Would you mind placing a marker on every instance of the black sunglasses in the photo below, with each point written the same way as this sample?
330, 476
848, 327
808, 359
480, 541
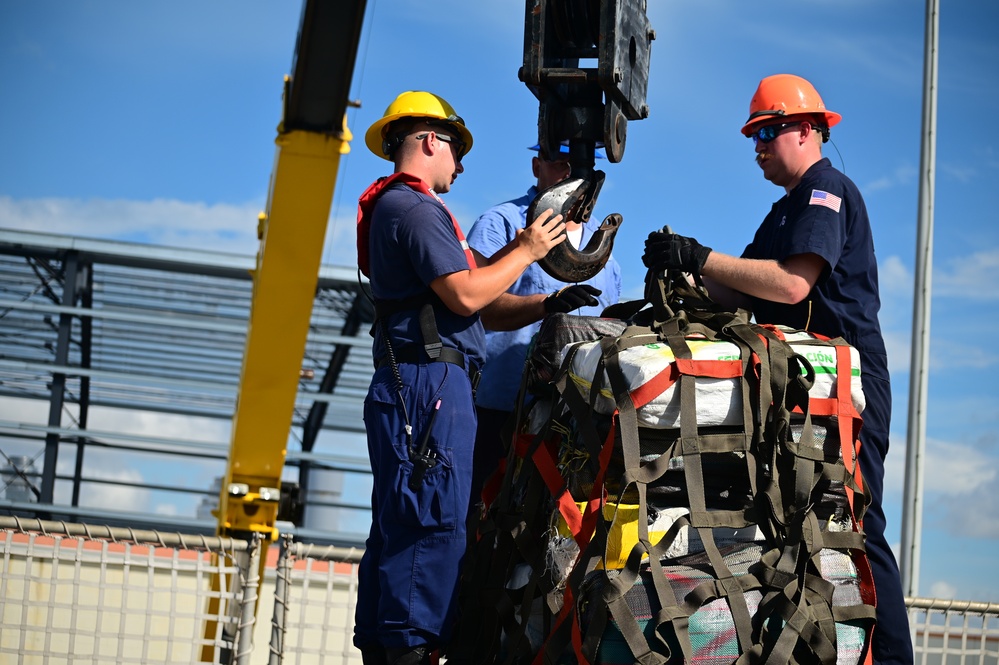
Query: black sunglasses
456, 143
770, 132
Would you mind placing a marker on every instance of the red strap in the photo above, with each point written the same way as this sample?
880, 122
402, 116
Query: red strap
493, 484
711, 369
847, 416
661, 382
366, 206
556, 485
655, 386
582, 526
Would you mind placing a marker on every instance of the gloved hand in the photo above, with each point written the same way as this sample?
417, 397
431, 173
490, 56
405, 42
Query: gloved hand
571, 297
669, 251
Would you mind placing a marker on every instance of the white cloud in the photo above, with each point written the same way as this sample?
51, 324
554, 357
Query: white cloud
221, 227
950, 469
24, 410
958, 279
960, 173
950, 357
167, 509
901, 176
956, 469
975, 515
967, 276
124, 466
894, 277
944, 590
341, 241
160, 425
111, 496
955, 477
897, 344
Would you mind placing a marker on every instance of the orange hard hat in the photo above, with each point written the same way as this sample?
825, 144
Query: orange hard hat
783, 95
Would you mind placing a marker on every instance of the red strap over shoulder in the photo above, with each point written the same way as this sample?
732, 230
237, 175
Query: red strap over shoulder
366, 206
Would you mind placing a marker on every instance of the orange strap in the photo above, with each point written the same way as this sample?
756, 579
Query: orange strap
366, 206
657, 385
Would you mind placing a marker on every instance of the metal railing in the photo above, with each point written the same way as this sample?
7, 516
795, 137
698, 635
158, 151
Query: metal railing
315, 593
82, 593
954, 632
79, 593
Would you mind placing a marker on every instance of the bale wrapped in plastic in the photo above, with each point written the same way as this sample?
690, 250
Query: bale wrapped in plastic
625, 532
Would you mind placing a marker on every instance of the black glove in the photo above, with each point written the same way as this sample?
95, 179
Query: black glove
669, 251
570, 298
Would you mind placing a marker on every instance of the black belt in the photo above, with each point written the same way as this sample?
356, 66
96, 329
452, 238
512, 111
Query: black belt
418, 356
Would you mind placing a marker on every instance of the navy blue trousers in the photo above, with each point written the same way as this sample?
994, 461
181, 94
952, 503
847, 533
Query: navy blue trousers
892, 642
408, 576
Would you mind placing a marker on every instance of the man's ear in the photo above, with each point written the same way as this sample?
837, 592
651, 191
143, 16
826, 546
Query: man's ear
536, 167
806, 133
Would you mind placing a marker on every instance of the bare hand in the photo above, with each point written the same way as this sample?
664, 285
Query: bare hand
543, 234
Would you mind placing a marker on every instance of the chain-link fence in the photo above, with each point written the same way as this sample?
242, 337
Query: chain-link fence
315, 591
87, 594
954, 632
75, 593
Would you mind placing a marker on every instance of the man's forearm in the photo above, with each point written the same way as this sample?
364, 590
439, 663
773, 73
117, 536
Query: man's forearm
725, 296
761, 278
510, 312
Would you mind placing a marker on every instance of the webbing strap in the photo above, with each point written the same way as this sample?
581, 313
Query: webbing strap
787, 468
694, 475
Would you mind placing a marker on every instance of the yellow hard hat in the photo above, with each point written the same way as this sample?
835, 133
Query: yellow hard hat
783, 95
414, 104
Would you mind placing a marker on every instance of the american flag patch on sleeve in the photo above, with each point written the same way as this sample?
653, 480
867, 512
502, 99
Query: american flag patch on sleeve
820, 198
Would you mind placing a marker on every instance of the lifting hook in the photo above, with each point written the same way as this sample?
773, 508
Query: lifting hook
573, 198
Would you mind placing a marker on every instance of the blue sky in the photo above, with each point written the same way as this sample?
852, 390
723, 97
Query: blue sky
154, 122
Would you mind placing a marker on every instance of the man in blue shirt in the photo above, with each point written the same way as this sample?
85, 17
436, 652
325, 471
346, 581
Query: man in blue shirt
510, 325
812, 266
428, 347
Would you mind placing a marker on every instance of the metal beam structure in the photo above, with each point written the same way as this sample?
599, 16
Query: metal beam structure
90, 327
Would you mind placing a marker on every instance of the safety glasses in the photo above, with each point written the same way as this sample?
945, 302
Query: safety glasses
456, 143
769, 132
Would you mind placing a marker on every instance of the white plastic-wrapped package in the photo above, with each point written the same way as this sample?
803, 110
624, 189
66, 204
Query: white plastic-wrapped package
719, 401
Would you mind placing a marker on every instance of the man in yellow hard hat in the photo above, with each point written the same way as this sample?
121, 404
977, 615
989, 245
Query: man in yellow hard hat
428, 349
812, 266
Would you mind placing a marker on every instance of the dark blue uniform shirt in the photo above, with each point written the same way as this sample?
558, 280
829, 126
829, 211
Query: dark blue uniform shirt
825, 215
412, 243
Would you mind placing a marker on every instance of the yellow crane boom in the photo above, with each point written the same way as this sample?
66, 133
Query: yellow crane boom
311, 137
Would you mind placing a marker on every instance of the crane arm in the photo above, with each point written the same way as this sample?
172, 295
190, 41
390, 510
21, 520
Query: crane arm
311, 137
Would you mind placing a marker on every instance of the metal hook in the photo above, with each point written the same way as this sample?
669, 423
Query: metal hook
573, 198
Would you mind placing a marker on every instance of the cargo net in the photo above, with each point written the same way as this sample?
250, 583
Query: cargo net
81, 593
315, 594
682, 487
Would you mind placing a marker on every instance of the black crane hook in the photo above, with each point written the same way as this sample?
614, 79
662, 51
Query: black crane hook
573, 198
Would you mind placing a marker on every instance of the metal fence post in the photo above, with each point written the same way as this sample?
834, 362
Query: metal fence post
282, 589
247, 606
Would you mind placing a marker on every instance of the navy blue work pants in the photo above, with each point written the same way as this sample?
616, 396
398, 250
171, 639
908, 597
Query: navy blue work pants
892, 642
408, 576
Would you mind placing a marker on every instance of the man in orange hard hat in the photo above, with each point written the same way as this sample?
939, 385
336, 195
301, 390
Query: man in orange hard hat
428, 347
812, 266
